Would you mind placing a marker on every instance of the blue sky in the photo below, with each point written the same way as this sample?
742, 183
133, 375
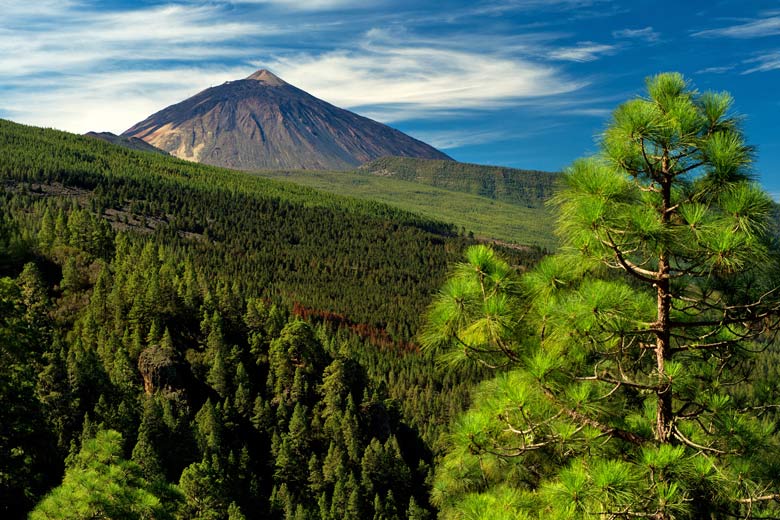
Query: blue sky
524, 83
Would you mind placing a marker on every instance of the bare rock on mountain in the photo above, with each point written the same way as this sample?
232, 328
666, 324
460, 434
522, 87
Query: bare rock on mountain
262, 122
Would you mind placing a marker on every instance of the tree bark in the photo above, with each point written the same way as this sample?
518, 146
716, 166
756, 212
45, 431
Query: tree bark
663, 348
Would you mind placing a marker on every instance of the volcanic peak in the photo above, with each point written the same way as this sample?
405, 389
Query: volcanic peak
264, 122
267, 77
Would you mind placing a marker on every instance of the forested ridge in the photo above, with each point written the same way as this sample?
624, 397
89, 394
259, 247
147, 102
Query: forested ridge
528, 188
322, 251
482, 216
184, 341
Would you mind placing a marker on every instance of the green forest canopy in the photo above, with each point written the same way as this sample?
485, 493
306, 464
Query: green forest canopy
165, 301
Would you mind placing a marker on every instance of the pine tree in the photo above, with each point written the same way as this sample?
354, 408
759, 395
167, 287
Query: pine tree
202, 485
151, 436
625, 345
234, 512
101, 484
415, 512
46, 235
72, 279
34, 295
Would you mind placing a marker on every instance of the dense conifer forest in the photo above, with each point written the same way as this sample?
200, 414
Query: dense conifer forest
184, 341
528, 188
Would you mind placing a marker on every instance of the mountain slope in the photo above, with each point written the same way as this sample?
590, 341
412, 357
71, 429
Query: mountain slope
165, 300
529, 188
263, 122
487, 218
132, 143
325, 252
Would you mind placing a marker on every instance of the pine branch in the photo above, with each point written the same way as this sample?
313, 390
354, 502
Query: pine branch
593, 423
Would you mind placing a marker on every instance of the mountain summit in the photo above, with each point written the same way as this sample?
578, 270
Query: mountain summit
267, 77
263, 122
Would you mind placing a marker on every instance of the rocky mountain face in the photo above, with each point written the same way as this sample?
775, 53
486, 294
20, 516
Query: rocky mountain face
262, 122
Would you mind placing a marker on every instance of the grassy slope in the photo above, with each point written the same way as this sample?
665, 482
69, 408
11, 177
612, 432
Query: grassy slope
528, 188
486, 217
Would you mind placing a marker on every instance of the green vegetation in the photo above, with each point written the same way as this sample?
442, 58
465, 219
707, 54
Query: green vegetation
483, 216
101, 484
179, 340
326, 253
527, 188
637, 384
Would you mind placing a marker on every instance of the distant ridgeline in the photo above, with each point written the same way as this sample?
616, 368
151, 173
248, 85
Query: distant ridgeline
160, 299
133, 143
528, 188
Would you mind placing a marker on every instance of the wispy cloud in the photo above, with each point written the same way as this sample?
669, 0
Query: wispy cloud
73, 66
83, 41
584, 51
77, 69
112, 102
591, 112
763, 63
415, 79
314, 5
716, 70
501, 6
449, 139
452, 139
769, 26
647, 34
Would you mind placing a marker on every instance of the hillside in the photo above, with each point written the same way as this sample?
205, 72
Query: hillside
484, 217
245, 340
263, 122
128, 142
528, 188
321, 251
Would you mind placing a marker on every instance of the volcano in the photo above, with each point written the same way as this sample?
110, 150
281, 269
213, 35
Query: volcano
263, 122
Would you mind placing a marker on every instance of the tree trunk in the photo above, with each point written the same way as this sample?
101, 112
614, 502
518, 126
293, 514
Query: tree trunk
663, 333
662, 353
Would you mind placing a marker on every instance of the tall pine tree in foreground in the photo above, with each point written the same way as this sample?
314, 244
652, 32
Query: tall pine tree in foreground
102, 484
623, 350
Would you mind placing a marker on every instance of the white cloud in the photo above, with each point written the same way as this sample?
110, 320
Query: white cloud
40, 8
591, 112
525, 5
647, 34
449, 139
81, 41
769, 26
78, 69
72, 67
584, 51
409, 80
108, 102
764, 63
716, 70
170, 24
313, 5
